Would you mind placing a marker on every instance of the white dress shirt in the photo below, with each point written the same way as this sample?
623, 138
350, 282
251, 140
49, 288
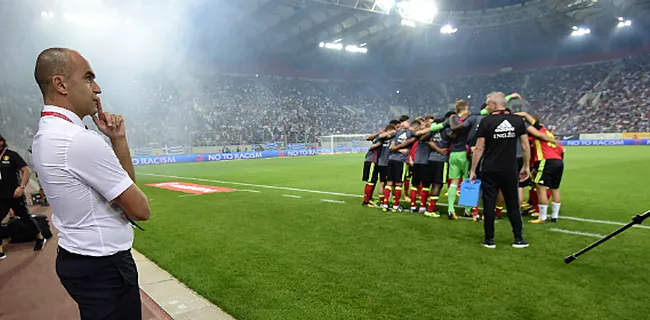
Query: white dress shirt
80, 175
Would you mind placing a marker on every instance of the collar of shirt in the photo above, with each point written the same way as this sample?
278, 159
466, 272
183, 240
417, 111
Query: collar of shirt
71, 115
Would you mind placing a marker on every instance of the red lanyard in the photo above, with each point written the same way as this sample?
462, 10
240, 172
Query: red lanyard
55, 114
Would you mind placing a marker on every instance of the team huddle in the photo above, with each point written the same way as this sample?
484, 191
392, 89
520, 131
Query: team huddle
423, 155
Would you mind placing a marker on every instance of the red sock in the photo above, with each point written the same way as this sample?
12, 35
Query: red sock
499, 210
448, 183
548, 193
532, 197
386, 195
398, 194
414, 197
407, 185
367, 192
432, 204
424, 195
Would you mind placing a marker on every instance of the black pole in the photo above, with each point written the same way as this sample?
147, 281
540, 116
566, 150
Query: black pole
638, 219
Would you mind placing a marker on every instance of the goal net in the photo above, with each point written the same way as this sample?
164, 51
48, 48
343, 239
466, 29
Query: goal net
344, 143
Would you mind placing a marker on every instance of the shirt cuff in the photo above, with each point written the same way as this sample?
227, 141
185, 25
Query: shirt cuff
118, 189
437, 127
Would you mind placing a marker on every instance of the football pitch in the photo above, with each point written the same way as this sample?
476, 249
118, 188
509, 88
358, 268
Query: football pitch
293, 242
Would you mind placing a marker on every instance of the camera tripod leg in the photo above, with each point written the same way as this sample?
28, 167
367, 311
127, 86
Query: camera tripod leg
638, 219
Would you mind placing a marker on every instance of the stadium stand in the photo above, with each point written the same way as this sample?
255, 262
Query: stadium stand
230, 110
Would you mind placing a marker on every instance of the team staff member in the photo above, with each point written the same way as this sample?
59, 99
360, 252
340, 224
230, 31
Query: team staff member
90, 186
14, 176
497, 145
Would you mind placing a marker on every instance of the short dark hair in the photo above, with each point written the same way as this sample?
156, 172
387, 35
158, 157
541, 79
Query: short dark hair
403, 118
448, 114
429, 116
390, 127
415, 123
50, 63
4, 142
394, 122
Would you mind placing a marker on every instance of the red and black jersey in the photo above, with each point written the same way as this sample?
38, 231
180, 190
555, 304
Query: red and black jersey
543, 150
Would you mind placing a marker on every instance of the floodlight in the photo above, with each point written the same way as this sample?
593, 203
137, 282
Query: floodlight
335, 46
417, 10
355, 49
580, 32
322, 44
43, 14
626, 23
448, 29
408, 23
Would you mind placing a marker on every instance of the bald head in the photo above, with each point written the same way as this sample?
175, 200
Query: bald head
498, 98
67, 81
53, 62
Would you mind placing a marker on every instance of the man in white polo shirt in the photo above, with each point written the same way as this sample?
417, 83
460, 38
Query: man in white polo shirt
90, 186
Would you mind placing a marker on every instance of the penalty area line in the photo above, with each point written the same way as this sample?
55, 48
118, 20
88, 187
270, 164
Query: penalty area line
351, 195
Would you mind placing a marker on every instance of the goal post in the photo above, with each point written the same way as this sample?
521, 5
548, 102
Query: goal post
344, 143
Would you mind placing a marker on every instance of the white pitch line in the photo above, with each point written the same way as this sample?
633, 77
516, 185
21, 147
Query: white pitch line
593, 235
190, 195
350, 195
252, 191
604, 222
255, 185
291, 196
332, 201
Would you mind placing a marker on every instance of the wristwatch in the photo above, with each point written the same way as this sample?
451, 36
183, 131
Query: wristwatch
23, 187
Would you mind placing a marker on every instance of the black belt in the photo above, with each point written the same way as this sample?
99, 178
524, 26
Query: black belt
67, 254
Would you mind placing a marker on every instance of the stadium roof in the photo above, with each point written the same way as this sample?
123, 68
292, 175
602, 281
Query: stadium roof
395, 33
294, 28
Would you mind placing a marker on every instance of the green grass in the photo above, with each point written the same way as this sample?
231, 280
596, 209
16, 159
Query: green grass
265, 256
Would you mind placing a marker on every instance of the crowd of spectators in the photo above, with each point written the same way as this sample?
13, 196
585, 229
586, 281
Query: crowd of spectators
226, 109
